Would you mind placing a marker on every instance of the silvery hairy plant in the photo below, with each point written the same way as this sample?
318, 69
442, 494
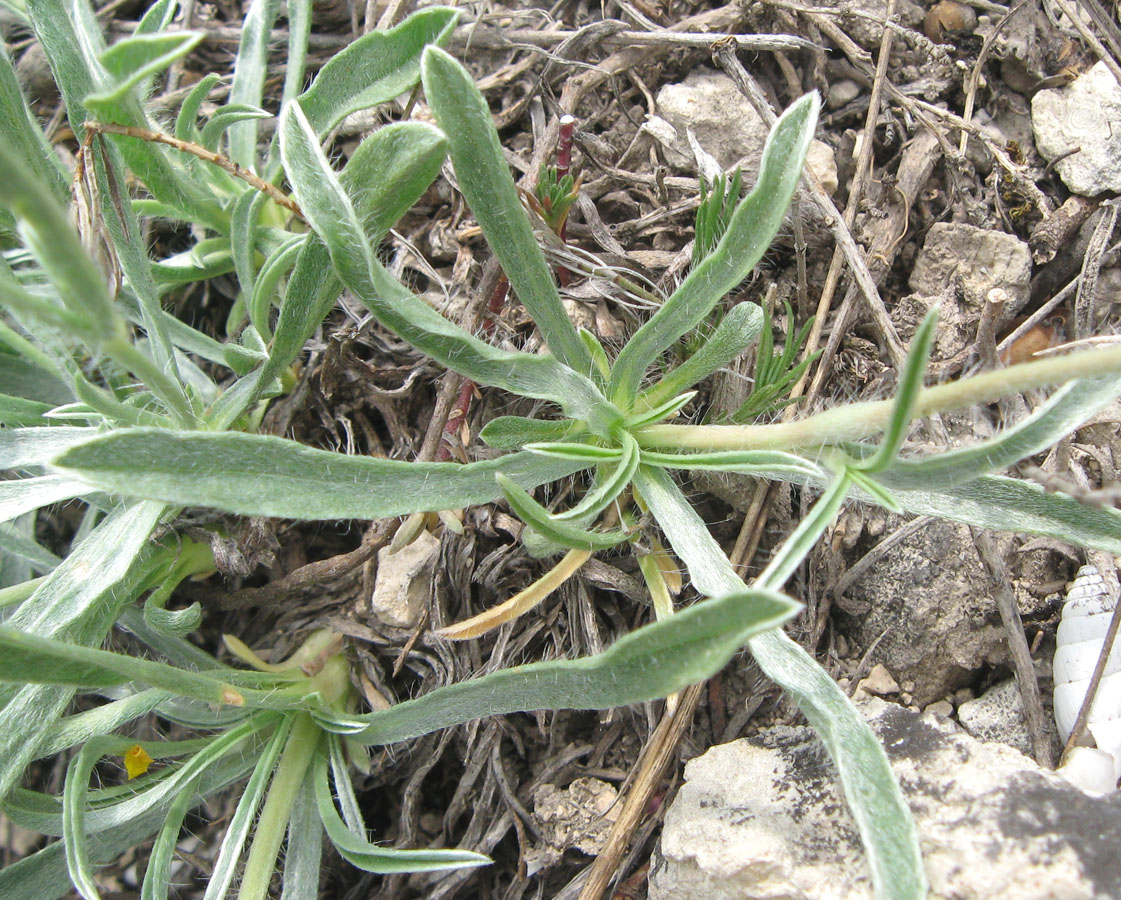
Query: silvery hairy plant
114, 408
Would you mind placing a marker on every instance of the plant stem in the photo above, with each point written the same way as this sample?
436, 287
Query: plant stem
277, 811
167, 389
861, 420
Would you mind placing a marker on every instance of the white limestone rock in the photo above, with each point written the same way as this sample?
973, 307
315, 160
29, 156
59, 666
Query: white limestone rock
404, 582
764, 818
1082, 116
710, 105
998, 715
966, 262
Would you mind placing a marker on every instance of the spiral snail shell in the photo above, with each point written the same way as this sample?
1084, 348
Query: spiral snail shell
1086, 615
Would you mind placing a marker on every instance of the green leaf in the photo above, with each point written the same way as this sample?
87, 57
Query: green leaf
763, 463
652, 662
131, 61
1064, 411
36, 660
16, 412
23, 134
599, 356
157, 877
80, 727
662, 411
250, 68
551, 527
484, 178
910, 386
264, 291
374, 69
736, 331
873, 796
389, 171
332, 215
72, 38
24, 379
258, 475
303, 853
750, 232
592, 454
186, 128
28, 494
245, 815
608, 487
515, 432
873, 489
1008, 504
14, 544
46, 229
24, 447
372, 858
226, 119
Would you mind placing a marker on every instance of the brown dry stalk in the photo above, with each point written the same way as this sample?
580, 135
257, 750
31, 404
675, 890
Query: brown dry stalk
203, 153
656, 757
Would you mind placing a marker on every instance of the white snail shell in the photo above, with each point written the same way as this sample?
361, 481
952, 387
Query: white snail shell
1086, 614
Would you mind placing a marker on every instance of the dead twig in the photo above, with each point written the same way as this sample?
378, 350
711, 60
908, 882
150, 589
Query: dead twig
651, 768
1018, 645
204, 153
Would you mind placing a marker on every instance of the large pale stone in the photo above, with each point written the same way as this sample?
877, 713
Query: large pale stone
723, 122
763, 818
1082, 116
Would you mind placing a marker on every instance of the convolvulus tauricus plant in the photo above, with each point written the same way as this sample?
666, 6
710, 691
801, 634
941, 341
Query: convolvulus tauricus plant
143, 432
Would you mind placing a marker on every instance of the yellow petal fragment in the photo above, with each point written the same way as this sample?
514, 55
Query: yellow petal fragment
137, 761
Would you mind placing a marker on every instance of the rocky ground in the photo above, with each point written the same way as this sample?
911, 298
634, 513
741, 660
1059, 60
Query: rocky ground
980, 183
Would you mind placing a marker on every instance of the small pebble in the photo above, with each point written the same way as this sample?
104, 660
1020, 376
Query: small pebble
947, 20
879, 681
842, 92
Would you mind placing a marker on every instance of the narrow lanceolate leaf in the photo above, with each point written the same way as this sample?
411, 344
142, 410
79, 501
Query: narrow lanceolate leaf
773, 463
372, 858
484, 177
646, 664
250, 69
736, 331
27, 494
30, 659
590, 453
332, 215
258, 475
1008, 504
516, 432
375, 68
662, 411
1064, 411
23, 133
43, 225
303, 854
132, 61
567, 535
22, 547
910, 386
873, 796
750, 232
608, 486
